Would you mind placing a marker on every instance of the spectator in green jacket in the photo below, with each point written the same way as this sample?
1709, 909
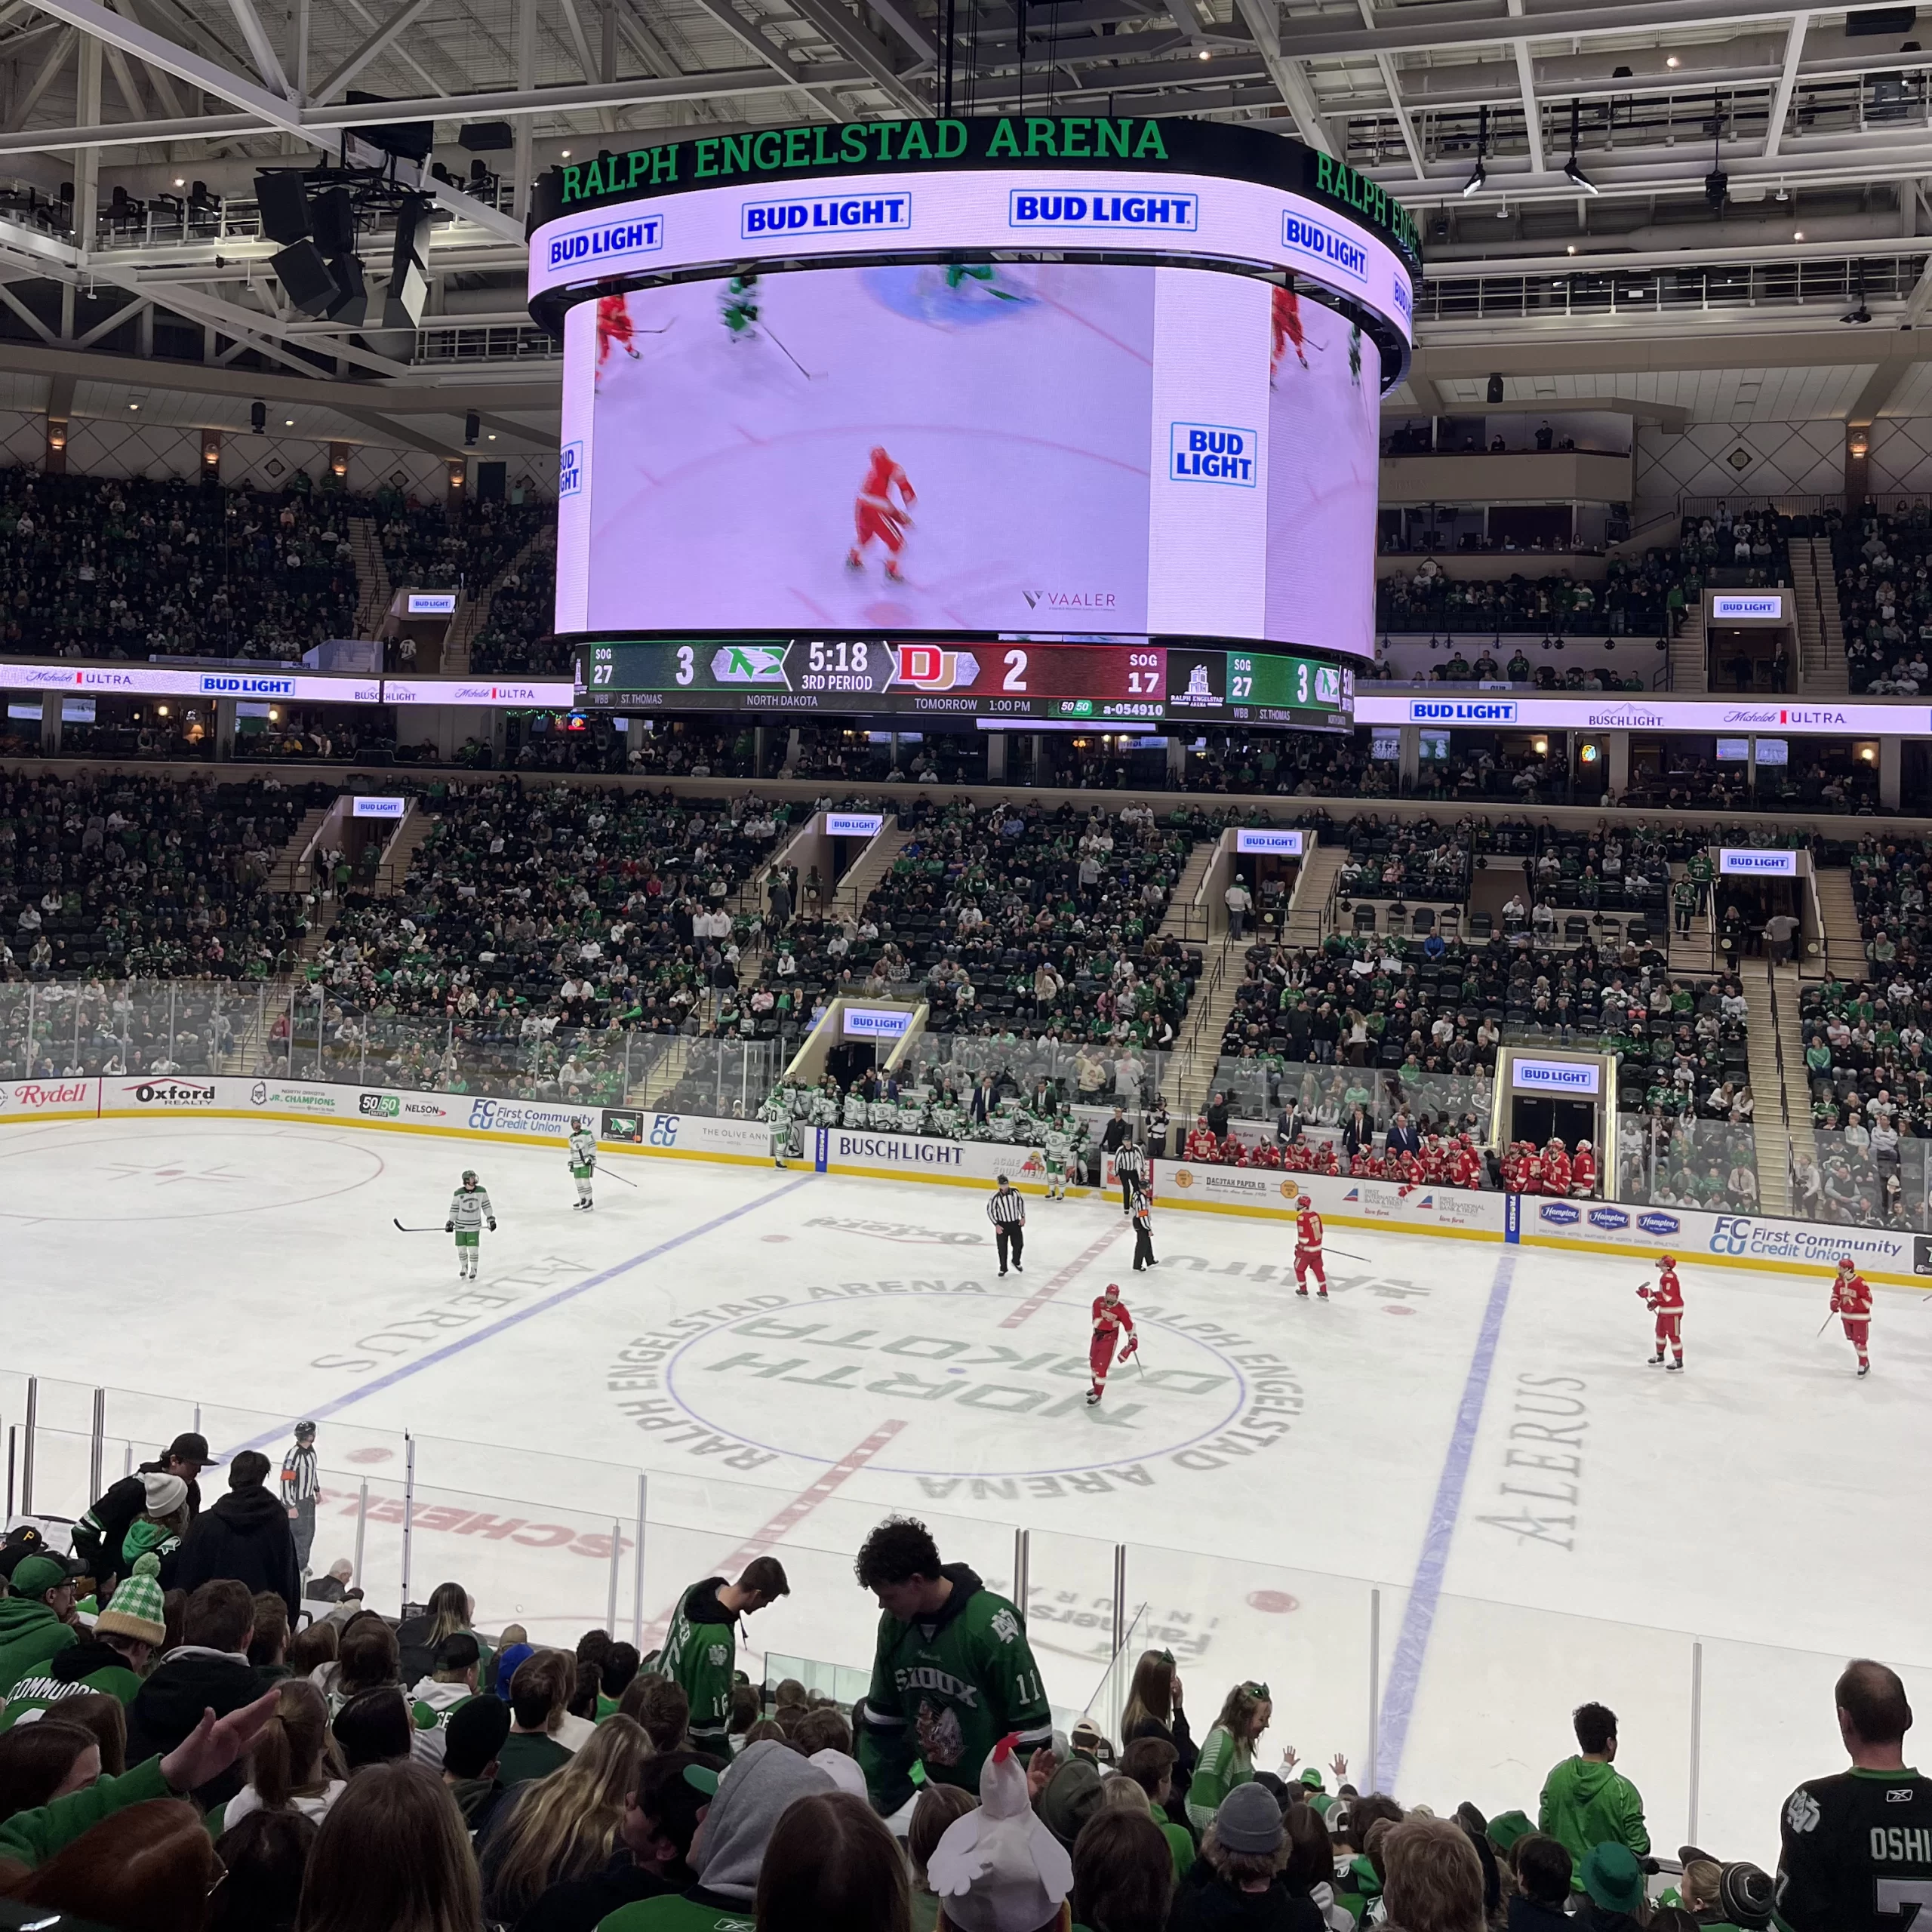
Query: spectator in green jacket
37, 1621
1586, 1801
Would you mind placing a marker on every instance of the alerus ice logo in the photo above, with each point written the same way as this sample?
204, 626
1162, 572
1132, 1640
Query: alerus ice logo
1212, 452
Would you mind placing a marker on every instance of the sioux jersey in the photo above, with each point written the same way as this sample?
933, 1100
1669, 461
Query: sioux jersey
1856, 1854
469, 1208
945, 1690
583, 1149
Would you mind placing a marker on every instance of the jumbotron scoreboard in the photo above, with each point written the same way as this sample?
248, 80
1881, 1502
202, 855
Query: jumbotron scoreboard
1059, 419
1012, 680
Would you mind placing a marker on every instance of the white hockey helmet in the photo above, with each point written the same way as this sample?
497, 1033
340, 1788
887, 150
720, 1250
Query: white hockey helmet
469, 1177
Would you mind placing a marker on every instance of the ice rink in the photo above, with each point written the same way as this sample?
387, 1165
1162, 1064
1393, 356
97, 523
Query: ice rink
1456, 1492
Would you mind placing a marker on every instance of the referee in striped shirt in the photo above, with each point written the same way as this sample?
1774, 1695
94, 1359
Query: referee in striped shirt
1008, 1212
1130, 1170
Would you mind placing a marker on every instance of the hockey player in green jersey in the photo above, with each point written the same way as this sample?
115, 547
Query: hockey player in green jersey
469, 1208
952, 1673
583, 1159
700, 1648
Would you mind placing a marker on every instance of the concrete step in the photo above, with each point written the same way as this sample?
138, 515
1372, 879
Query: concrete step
1844, 946
1314, 883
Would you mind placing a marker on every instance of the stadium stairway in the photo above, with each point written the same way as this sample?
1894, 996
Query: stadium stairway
414, 832
1821, 664
1689, 656
856, 887
1190, 1077
1797, 1091
374, 590
1174, 921
1764, 1037
289, 873
1844, 946
1315, 886
1690, 951
473, 612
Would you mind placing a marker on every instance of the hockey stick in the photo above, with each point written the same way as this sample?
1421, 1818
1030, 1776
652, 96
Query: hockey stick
1347, 1256
789, 357
614, 1175
438, 1230
1826, 1323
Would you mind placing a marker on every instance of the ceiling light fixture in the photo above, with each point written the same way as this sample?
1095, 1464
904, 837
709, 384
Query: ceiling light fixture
1798, 234
288, 421
1207, 54
1572, 249
1576, 175
133, 405
1671, 60
565, 153
1477, 176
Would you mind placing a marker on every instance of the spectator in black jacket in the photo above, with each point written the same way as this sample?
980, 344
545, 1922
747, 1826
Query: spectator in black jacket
208, 1670
245, 1536
99, 1535
1543, 1871
1404, 1136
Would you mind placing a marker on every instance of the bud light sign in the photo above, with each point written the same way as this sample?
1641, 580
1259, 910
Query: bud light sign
1581, 1077
1211, 453
1753, 863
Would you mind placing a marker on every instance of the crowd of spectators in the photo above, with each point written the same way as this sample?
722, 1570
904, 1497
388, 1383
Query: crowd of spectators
107, 568
126, 877
537, 928
517, 638
464, 547
222, 1759
1885, 600
1641, 598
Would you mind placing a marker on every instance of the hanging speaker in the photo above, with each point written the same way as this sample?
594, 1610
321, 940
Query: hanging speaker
332, 221
352, 293
303, 271
280, 194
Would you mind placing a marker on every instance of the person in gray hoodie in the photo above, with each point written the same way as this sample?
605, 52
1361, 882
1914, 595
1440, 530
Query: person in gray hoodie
748, 1799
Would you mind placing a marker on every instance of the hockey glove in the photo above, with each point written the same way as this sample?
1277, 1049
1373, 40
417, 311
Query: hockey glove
492, 1227
449, 1227
1133, 1347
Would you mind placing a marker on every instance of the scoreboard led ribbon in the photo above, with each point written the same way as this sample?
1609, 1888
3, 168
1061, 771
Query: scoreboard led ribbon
1115, 188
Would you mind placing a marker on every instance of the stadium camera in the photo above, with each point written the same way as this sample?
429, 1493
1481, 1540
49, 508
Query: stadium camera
1717, 186
258, 417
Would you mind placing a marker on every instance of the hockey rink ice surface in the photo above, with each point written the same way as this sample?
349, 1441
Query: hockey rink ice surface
1469, 1430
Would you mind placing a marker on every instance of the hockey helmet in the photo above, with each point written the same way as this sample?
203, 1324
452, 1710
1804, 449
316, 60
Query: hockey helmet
1666, 1261
1112, 1288
1583, 1146
469, 1177
577, 1121
1846, 1265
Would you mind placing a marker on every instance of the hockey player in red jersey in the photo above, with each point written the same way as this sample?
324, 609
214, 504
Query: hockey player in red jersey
876, 514
1529, 1170
614, 330
1286, 321
1556, 1168
1308, 1252
1583, 1170
1666, 1303
1465, 1164
1851, 1300
1110, 1318
1202, 1145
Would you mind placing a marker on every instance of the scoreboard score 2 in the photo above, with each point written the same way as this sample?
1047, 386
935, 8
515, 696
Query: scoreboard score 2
1127, 684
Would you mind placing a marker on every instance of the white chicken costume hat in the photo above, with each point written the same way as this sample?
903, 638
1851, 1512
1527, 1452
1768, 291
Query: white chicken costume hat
998, 1869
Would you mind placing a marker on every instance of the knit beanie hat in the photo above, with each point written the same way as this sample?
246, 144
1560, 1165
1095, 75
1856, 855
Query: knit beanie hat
137, 1611
1249, 1820
165, 1494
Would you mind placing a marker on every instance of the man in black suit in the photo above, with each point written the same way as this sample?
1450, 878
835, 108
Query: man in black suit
1404, 1136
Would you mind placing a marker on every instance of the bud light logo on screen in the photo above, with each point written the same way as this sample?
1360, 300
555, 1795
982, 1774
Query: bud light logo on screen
1404, 301
1212, 452
569, 470
1328, 245
825, 214
636, 235
1170, 213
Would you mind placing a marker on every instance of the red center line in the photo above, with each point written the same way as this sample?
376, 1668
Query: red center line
794, 1513
1034, 1302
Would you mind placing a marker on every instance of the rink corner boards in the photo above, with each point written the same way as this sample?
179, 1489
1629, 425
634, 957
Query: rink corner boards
1699, 1237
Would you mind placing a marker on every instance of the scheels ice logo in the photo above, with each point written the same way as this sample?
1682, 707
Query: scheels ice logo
636, 235
833, 214
1212, 452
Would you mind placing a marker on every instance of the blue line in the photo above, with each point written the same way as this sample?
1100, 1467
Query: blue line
502, 1323
1426, 1591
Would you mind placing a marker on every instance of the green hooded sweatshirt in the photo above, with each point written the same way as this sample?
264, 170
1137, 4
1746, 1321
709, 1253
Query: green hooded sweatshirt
1585, 1803
30, 1634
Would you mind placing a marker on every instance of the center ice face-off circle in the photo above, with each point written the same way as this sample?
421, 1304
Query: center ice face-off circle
974, 1398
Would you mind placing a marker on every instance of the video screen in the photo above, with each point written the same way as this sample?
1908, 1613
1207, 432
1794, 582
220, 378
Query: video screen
1050, 450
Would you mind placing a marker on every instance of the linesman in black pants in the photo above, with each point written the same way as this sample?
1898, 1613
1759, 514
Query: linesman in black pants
1007, 1211
1130, 1169
1143, 1230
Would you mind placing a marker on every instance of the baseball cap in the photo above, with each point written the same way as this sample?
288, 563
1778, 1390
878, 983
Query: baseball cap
20, 1543
36, 1575
190, 1446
